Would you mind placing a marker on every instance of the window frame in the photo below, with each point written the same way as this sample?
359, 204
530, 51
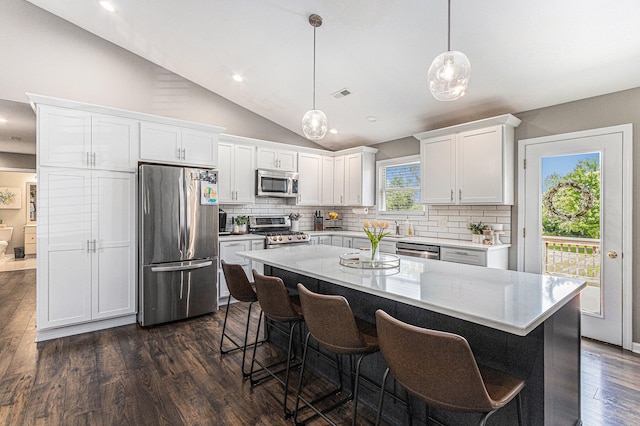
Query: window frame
379, 186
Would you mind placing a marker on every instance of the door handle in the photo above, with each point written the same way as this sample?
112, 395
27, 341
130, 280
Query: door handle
178, 153
182, 266
612, 254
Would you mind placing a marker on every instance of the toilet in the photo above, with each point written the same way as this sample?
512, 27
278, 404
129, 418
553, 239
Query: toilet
5, 237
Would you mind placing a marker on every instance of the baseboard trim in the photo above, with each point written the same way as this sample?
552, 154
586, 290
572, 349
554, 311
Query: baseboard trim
635, 347
56, 333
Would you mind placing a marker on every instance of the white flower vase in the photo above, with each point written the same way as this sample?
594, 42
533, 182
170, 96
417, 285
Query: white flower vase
294, 226
477, 238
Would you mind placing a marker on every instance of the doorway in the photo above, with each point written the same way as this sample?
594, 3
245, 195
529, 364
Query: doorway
575, 215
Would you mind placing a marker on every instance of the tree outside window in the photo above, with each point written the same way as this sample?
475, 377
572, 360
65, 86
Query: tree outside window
399, 186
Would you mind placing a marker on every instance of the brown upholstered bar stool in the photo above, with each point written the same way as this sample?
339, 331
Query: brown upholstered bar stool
440, 369
242, 290
331, 323
278, 307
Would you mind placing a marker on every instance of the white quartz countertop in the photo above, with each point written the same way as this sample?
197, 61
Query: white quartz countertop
442, 242
240, 237
514, 302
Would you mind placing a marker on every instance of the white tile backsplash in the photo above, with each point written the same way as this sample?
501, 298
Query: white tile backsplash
456, 217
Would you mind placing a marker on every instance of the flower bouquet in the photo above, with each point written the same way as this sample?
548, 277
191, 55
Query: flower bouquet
375, 230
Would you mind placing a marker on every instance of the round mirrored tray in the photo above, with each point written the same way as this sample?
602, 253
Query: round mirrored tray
385, 261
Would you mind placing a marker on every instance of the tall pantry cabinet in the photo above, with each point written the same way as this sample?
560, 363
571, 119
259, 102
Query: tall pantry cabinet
87, 223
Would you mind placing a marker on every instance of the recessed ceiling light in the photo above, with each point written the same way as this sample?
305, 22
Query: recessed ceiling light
372, 118
3, 120
333, 131
107, 5
238, 78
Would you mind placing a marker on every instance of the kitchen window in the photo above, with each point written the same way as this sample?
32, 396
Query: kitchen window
399, 185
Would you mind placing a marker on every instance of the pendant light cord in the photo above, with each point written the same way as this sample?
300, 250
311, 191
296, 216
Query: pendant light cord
314, 67
448, 29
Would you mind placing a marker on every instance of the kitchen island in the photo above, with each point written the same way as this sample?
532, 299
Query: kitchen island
525, 324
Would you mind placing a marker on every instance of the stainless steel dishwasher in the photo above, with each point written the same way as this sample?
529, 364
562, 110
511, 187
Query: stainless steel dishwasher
426, 251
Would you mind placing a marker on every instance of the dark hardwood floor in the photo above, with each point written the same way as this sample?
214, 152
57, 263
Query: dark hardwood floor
173, 374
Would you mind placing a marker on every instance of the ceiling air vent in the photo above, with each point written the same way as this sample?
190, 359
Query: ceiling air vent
341, 93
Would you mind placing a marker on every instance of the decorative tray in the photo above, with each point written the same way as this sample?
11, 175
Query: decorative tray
354, 260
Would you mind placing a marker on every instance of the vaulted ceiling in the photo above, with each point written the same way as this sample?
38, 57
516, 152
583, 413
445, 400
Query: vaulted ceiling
524, 55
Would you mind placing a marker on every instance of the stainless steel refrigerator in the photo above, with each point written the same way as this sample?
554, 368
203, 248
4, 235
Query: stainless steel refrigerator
178, 249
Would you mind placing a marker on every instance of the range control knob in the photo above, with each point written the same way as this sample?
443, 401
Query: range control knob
299, 237
290, 237
279, 238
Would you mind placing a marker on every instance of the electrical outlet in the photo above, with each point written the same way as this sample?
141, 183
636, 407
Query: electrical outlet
442, 223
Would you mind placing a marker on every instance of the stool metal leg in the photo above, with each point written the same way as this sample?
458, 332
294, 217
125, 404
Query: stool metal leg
381, 400
236, 345
311, 404
267, 368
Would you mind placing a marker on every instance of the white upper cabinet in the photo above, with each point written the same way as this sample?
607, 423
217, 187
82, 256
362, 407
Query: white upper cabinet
472, 163
178, 145
328, 176
310, 179
354, 176
81, 139
236, 173
360, 178
271, 158
438, 168
338, 180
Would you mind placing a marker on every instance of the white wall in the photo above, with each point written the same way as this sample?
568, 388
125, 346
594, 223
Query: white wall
16, 218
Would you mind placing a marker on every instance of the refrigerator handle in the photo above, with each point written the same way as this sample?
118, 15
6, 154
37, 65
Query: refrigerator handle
182, 267
181, 210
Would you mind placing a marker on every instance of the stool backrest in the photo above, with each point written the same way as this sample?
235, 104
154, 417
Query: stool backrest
330, 321
273, 298
436, 366
239, 286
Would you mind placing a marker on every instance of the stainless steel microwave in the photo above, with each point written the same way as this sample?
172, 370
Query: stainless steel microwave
271, 183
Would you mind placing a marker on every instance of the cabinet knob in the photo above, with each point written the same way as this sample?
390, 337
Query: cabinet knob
612, 254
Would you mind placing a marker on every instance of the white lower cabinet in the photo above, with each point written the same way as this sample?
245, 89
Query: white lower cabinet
320, 239
228, 250
30, 239
86, 246
383, 246
257, 245
495, 258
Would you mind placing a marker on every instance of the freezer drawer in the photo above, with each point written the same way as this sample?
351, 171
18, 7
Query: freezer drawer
177, 290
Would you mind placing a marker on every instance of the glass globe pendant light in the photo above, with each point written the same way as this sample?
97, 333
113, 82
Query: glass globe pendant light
449, 72
314, 121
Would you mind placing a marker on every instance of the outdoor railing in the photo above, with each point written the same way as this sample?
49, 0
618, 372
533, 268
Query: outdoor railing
575, 257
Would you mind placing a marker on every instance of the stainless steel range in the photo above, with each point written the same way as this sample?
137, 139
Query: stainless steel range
277, 230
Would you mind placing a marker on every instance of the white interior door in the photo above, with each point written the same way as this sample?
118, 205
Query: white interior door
576, 192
